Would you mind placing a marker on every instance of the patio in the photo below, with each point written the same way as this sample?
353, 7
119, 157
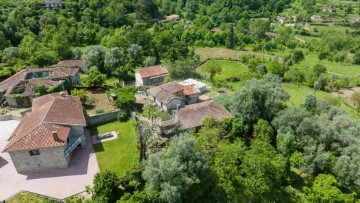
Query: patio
56, 184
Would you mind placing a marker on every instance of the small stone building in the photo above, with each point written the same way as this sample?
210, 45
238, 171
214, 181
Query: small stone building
153, 75
167, 96
47, 136
191, 117
46, 76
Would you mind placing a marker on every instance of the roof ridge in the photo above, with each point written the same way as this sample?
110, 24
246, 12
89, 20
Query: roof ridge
47, 112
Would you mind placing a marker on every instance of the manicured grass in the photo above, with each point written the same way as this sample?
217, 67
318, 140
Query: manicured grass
24, 197
120, 154
299, 92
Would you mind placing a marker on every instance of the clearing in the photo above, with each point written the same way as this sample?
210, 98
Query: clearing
120, 154
299, 92
229, 54
100, 102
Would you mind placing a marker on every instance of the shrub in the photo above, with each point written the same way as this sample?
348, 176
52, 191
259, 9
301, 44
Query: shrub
99, 110
123, 115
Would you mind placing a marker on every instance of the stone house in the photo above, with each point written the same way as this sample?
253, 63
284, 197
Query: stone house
47, 136
153, 75
167, 96
191, 116
17, 84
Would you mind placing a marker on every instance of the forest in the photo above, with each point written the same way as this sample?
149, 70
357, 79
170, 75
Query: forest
278, 147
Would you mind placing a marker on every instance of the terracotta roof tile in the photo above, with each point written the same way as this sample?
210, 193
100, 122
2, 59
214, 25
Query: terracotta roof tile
13, 80
167, 91
191, 116
153, 71
71, 63
52, 112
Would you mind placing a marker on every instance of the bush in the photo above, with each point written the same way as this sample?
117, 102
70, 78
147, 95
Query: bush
125, 97
123, 115
99, 110
81, 94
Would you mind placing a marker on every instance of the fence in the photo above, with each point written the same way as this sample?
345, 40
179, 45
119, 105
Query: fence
101, 118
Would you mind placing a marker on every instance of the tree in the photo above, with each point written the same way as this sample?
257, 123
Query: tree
213, 69
177, 170
298, 56
135, 52
262, 170
356, 57
106, 187
324, 190
181, 69
77, 53
228, 158
3, 41
231, 38
319, 69
81, 93
276, 68
259, 99
310, 102
94, 56
263, 130
114, 59
95, 78
149, 61
11, 53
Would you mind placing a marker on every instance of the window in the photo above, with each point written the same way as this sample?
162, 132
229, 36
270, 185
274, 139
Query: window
34, 152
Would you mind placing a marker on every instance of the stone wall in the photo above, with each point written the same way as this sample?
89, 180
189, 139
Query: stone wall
10, 117
48, 159
101, 118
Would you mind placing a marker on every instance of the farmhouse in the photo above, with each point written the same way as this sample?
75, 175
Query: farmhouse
46, 137
23, 83
190, 117
153, 75
167, 96
71, 64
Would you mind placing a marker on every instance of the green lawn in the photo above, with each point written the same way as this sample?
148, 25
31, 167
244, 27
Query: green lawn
120, 154
23, 197
228, 69
299, 92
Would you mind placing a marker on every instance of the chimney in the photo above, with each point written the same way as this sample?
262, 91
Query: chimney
62, 94
55, 135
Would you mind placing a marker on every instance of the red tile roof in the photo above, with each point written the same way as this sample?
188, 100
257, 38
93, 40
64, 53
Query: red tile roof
191, 116
172, 17
60, 72
204, 98
52, 112
71, 63
167, 91
153, 71
13, 80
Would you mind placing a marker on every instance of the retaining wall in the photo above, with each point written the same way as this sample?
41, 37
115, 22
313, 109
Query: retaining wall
101, 118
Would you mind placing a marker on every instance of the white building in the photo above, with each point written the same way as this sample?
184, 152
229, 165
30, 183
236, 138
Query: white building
201, 87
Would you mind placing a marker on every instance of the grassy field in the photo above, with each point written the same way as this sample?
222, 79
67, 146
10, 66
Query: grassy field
299, 92
119, 154
228, 54
228, 69
342, 69
24, 197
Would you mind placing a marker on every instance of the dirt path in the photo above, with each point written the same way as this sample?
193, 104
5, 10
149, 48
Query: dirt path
347, 93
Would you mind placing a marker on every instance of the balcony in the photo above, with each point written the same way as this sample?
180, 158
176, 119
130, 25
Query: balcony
73, 143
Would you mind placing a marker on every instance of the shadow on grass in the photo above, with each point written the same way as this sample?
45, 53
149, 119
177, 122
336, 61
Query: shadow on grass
98, 147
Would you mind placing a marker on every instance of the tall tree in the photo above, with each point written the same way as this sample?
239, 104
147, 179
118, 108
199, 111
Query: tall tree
113, 60
94, 56
178, 170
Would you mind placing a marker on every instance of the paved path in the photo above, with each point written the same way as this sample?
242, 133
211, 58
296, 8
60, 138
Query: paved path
57, 184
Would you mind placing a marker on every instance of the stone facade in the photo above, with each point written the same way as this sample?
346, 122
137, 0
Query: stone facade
101, 118
147, 81
48, 159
